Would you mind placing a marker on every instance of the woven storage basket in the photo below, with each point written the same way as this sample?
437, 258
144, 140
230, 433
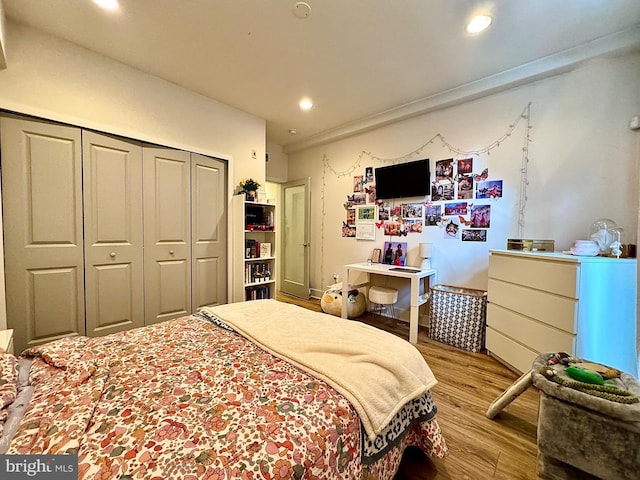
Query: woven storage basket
458, 317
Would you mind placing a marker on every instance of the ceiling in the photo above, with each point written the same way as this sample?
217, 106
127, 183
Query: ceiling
362, 62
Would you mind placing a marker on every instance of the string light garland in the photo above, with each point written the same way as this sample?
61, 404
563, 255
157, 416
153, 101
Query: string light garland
525, 116
524, 170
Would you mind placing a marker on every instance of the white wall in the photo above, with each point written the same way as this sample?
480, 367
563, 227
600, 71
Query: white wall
3, 60
55, 79
278, 164
583, 166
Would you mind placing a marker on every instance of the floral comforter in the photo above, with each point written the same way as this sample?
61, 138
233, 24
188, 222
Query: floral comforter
187, 399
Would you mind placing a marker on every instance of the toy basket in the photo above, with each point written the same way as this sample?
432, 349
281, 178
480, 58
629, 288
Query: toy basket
458, 317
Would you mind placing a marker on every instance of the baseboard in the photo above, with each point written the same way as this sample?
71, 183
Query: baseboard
315, 293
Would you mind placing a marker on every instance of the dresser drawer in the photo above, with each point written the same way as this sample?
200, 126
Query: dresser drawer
551, 276
538, 337
512, 353
559, 312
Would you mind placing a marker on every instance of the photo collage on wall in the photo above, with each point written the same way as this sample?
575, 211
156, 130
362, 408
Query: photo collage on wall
460, 217
365, 214
456, 189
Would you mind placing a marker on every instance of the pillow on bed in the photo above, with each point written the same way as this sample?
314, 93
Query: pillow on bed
8, 384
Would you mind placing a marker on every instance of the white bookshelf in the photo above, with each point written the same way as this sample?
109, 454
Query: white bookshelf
254, 275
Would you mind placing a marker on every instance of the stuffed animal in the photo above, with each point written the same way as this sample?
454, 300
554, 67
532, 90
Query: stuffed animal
331, 302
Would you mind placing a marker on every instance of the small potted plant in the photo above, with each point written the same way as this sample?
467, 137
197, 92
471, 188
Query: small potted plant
249, 187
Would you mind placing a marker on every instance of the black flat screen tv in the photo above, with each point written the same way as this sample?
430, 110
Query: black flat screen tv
410, 179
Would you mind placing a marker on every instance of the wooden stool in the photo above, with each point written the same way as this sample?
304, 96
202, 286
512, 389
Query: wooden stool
384, 298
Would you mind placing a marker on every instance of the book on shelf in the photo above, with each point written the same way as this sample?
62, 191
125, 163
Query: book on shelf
251, 248
265, 250
257, 293
257, 272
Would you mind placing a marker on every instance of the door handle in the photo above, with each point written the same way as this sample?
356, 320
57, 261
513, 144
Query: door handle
304, 244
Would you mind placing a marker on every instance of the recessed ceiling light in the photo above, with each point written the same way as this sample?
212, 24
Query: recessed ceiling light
292, 131
305, 104
107, 4
478, 23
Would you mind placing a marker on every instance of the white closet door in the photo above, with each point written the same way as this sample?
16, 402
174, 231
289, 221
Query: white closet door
208, 231
42, 203
114, 291
167, 234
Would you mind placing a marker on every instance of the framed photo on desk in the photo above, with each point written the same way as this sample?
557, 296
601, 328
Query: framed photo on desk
395, 253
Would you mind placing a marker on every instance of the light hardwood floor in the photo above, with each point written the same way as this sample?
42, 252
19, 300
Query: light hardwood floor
479, 448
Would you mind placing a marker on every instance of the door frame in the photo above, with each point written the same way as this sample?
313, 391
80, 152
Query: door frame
302, 290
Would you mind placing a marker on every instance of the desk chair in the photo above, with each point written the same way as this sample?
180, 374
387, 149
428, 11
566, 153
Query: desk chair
384, 299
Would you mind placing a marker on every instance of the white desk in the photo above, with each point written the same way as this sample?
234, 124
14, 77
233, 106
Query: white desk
413, 274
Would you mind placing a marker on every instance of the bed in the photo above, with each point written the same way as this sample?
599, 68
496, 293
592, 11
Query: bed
221, 395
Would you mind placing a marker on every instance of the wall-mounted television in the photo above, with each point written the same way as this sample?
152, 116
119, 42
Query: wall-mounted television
410, 179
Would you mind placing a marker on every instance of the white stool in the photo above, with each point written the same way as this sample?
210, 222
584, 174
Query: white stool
384, 298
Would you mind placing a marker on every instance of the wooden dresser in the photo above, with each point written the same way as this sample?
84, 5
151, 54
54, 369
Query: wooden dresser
551, 302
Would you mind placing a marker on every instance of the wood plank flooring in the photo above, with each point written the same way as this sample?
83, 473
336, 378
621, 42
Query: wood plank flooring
479, 448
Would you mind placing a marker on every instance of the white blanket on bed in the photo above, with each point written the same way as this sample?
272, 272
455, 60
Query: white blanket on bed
376, 371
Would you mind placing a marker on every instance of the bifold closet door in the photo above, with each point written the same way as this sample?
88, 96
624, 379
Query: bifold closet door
114, 289
167, 233
42, 206
208, 231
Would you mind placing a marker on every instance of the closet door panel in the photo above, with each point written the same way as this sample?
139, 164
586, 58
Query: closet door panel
206, 274
209, 231
42, 207
172, 287
118, 302
51, 195
167, 234
54, 296
113, 234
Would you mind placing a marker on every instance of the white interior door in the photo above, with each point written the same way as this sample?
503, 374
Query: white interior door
295, 254
114, 289
167, 233
42, 203
208, 231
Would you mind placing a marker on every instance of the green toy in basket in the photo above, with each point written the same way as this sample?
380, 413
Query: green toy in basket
588, 377
584, 375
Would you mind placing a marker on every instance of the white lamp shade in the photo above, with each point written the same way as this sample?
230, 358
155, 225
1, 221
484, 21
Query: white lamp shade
426, 250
